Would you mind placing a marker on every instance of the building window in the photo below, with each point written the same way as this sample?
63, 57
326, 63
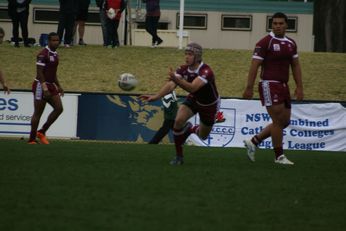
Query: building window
236, 22
292, 24
160, 26
194, 21
4, 15
46, 15
51, 16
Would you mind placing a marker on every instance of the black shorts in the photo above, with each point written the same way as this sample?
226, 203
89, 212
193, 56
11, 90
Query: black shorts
207, 114
82, 14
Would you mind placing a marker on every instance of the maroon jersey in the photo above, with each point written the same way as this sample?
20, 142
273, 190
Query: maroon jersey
206, 95
277, 55
49, 60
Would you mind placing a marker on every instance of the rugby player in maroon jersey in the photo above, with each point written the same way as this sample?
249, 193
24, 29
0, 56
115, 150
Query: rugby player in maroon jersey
46, 89
198, 79
275, 54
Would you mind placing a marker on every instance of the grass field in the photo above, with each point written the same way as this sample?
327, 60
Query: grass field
96, 69
74, 185
105, 186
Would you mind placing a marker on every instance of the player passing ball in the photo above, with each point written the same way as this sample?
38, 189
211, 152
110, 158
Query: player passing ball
198, 79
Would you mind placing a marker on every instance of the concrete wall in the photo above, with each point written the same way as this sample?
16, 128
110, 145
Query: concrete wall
93, 33
213, 37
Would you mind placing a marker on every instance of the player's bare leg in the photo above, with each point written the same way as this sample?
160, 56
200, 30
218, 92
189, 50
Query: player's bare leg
281, 118
81, 29
39, 106
181, 132
252, 144
202, 130
56, 103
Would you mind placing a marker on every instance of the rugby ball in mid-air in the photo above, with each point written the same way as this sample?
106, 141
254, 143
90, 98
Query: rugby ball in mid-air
127, 81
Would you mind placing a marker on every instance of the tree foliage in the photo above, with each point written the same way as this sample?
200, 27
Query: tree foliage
330, 25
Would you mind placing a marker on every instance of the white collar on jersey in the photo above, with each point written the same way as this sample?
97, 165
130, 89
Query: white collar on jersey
281, 39
197, 70
54, 52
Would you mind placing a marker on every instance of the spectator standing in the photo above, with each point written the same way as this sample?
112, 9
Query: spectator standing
68, 10
152, 18
170, 108
275, 54
103, 17
81, 18
113, 10
2, 78
18, 11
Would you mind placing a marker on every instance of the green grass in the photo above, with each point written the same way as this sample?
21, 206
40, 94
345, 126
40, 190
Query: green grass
105, 186
96, 69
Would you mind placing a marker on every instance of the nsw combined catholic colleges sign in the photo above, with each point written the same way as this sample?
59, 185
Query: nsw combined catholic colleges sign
313, 126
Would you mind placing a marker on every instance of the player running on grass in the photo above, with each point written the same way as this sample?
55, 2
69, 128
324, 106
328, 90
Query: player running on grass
46, 89
275, 53
198, 79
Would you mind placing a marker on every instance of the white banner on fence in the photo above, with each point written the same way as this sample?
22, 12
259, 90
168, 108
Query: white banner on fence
16, 110
315, 126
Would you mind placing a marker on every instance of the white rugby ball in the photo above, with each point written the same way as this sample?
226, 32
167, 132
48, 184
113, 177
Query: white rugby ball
127, 81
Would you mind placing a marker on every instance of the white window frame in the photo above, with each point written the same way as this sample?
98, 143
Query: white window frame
36, 21
294, 30
236, 16
205, 27
5, 10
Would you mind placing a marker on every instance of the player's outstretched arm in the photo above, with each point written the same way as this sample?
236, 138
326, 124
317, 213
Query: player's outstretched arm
148, 98
4, 84
194, 86
167, 88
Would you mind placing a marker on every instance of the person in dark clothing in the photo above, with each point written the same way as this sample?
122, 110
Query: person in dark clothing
68, 11
113, 12
81, 18
170, 108
152, 20
18, 11
103, 17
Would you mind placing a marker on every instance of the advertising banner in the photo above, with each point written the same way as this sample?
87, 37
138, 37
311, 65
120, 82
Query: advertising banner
17, 108
118, 118
313, 126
